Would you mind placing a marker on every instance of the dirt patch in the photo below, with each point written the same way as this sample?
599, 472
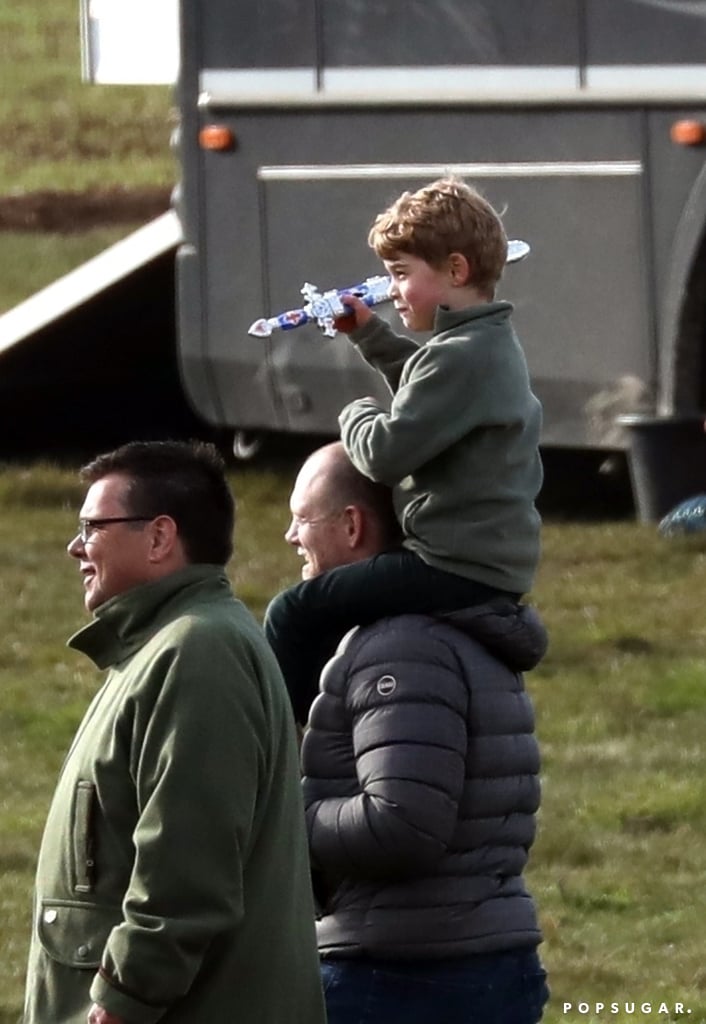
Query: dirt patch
73, 212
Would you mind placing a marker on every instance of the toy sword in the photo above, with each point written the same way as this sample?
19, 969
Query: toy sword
324, 308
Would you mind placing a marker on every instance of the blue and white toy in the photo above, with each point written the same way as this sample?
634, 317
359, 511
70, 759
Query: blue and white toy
324, 308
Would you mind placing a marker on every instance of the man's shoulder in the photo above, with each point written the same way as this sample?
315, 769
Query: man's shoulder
414, 636
211, 625
219, 647
511, 635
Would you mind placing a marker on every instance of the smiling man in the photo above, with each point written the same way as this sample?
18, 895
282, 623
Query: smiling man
338, 517
173, 880
420, 781
328, 526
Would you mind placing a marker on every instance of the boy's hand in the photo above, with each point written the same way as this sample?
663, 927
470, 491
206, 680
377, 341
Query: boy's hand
97, 1015
359, 315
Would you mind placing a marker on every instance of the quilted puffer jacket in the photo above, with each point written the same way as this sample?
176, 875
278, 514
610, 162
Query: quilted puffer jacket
421, 787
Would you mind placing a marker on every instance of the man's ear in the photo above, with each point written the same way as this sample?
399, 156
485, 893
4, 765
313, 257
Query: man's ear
164, 538
459, 269
354, 523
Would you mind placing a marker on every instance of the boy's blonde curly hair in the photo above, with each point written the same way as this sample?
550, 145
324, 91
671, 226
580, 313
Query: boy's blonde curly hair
444, 217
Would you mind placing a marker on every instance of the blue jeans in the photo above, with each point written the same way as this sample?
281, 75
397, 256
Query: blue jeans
496, 988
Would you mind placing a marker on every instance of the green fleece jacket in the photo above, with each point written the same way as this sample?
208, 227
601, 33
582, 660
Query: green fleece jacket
459, 444
173, 881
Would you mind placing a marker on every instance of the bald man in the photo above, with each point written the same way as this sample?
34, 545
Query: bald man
420, 781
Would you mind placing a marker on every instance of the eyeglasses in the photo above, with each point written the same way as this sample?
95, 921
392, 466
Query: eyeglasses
87, 526
298, 521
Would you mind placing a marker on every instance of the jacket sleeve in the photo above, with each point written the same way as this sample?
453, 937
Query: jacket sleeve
408, 720
196, 756
383, 349
448, 391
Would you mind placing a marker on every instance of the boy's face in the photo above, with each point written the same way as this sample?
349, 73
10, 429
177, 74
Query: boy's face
418, 288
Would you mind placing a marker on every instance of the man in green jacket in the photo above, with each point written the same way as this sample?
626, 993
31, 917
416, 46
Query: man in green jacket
173, 881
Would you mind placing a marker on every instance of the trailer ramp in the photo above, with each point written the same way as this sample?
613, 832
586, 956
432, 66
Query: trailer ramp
91, 360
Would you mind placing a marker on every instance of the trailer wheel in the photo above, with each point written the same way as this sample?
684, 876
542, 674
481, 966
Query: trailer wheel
246, 444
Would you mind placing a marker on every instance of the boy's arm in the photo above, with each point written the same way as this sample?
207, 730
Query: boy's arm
386, 351
378, 344
441, 400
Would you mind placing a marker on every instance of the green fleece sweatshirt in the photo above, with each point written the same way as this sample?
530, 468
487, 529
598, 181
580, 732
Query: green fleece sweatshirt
459, 444
173, 881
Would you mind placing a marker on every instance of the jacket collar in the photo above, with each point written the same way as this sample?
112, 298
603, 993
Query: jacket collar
447, 319
124, 623
512, 632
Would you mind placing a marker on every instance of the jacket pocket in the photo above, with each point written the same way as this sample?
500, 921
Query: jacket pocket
75, 934
82, 853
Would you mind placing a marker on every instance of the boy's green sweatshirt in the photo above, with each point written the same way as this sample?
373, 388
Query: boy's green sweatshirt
459, 444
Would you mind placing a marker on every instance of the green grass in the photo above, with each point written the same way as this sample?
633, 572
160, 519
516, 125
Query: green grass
621, 706
60, 133
32, 260
63, 135
618, 866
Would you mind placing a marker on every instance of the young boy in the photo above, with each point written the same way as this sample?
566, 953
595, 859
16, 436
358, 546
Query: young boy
458, 447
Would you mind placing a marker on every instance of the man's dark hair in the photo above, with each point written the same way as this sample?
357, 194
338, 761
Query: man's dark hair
184, 480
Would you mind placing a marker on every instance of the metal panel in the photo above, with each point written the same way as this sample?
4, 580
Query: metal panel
673, 170
283, 52
258, 33
453, 51
466, 32
336, 107
576, 196
638, 32
293, 33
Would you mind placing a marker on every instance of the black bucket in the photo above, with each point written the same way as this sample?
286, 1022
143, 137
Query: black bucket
667, 460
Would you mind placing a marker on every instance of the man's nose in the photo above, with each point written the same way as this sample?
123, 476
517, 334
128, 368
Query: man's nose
75, 547
291, 536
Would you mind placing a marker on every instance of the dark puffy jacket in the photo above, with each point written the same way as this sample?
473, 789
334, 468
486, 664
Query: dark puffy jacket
421, 786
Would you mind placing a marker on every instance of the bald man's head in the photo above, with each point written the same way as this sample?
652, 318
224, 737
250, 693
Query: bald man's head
339, 516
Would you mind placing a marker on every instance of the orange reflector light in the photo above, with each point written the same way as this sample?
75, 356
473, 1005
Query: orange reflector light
688, 133
216, 136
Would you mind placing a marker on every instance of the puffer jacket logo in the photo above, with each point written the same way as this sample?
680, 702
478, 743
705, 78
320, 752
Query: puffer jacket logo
386, 686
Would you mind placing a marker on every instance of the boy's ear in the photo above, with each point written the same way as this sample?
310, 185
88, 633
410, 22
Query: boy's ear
459, 269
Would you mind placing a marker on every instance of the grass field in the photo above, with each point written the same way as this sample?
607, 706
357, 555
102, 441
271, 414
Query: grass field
66, 135
63, 135
32, 260
621, 704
